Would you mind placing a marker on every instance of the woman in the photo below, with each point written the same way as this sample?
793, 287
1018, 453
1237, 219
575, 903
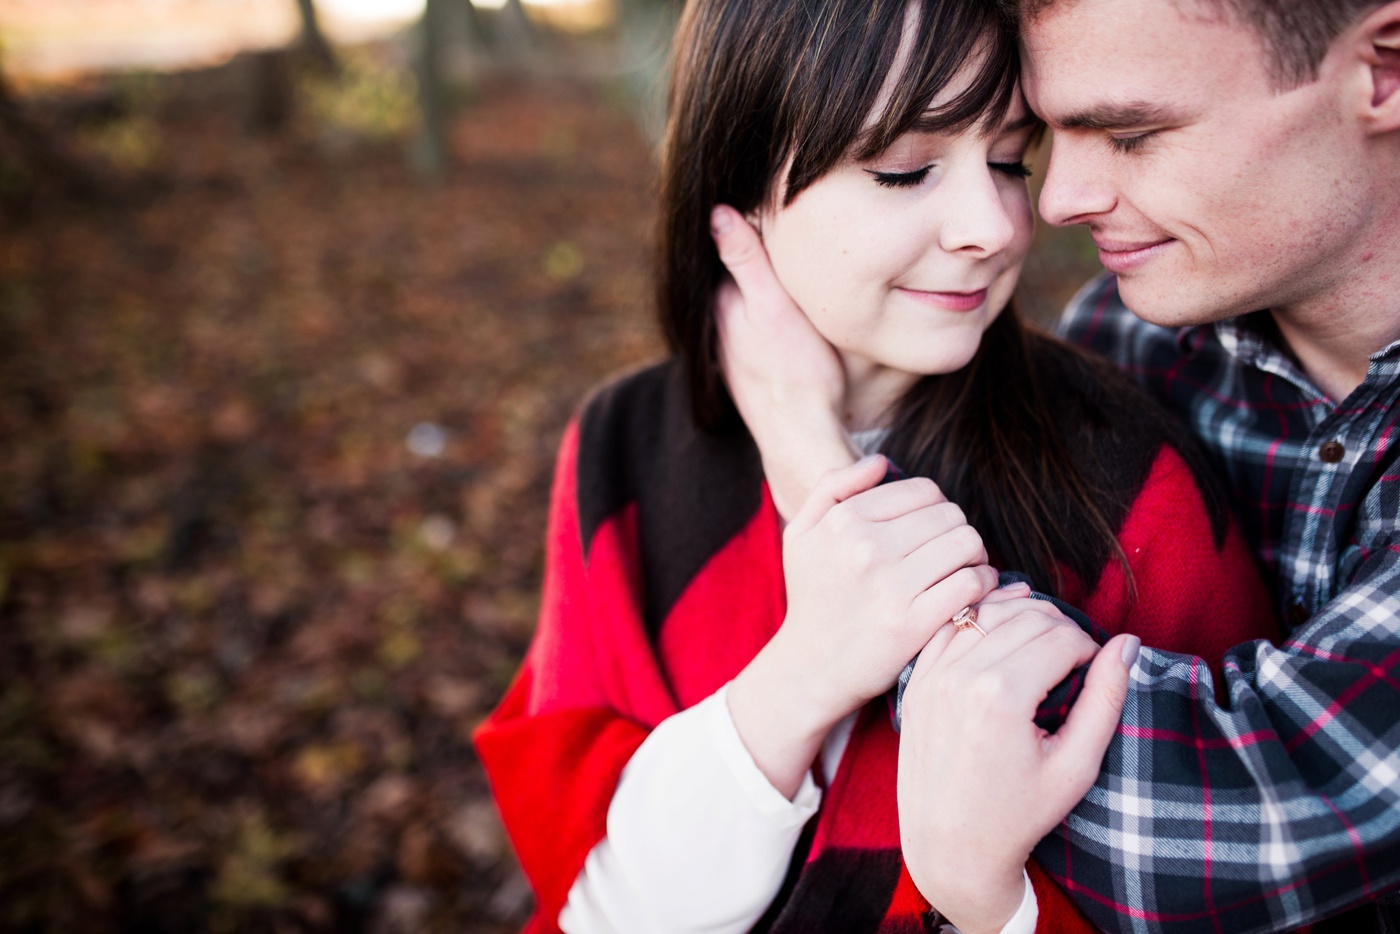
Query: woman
691, 744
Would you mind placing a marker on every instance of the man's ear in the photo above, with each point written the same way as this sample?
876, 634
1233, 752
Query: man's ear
1379, 39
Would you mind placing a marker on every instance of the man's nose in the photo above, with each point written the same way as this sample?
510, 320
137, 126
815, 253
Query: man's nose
1077, 186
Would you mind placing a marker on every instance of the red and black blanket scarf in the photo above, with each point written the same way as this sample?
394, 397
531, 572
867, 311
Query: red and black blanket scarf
664, 578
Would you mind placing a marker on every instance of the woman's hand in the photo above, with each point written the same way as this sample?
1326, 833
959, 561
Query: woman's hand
785, 379
979, 782
870, 573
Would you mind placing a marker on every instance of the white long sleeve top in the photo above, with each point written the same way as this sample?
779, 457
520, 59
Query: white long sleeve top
698, 839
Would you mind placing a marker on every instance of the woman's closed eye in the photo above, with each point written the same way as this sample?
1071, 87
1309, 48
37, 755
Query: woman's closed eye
900, 179
915, 177
1014, 169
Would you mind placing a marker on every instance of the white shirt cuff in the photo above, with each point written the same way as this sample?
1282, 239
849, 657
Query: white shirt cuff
698, 838
1026, 917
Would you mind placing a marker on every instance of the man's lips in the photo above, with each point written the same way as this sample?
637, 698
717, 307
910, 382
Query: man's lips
950, 301
1120, 256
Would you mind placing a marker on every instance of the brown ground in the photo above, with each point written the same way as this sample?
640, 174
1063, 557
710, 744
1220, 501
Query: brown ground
245, 632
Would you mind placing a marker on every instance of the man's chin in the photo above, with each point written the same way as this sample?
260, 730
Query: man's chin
1168, 304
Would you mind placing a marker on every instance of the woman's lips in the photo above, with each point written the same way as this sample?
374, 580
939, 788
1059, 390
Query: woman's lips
950, 301
1120, 257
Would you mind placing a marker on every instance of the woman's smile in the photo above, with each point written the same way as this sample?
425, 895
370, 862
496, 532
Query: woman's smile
948, 300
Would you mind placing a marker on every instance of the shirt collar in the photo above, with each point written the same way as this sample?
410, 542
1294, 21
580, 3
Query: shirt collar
1244, 337
1252, 340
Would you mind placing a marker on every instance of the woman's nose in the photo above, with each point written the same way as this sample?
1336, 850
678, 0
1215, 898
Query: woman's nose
981, 216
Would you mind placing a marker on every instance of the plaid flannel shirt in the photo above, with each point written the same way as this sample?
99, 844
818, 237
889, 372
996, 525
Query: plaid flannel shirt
1282, 806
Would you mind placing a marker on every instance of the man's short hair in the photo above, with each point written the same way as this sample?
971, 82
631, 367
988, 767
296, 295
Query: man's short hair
1297, 33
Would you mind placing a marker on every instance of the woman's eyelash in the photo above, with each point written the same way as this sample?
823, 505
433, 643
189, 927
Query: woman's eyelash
910, 179
1014, 169
900, 179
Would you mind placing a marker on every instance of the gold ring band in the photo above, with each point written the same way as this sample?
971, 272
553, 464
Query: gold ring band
966, 618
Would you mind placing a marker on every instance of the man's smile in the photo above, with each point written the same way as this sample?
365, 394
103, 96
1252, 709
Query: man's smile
1120, 256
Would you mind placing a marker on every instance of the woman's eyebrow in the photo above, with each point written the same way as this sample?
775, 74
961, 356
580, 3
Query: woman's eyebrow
931, 124
1021, 122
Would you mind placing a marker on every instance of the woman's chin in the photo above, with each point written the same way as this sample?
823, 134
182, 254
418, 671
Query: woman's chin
939, 357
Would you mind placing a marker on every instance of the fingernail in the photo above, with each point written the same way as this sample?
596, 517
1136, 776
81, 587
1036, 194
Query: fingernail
720, 221
867, 460
1131, 646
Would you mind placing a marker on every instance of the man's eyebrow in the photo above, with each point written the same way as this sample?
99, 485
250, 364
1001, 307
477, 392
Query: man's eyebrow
1115, 117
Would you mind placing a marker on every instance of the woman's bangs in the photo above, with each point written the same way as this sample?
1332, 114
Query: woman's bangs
950, 37
838, 72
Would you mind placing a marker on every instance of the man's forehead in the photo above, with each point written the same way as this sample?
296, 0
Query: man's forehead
1122, 62
1127, 31
1207, 11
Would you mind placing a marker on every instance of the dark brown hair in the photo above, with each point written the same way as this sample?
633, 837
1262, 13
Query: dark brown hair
1296, 33
757, 83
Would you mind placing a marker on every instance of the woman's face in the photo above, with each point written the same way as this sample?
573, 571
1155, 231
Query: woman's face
902, 261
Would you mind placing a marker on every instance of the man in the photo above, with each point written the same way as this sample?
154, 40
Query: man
1238, 162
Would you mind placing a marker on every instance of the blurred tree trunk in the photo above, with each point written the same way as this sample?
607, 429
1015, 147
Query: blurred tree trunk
474, 32
313, 40
514, 34
430, 150
272, 96
40, 155
646, 28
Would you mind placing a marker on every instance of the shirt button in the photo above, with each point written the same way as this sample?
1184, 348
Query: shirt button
1297, 615
1331, 452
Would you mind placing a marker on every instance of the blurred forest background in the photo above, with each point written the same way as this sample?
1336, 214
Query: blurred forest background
295, 299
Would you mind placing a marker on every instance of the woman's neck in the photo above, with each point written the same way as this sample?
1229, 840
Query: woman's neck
871, 392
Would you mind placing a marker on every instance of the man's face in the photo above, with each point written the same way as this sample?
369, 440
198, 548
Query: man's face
1209, 191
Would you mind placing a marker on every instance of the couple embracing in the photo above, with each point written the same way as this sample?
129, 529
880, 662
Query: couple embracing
1183, 711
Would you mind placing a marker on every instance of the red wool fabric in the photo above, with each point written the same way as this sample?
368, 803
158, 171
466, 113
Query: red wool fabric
596, 680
